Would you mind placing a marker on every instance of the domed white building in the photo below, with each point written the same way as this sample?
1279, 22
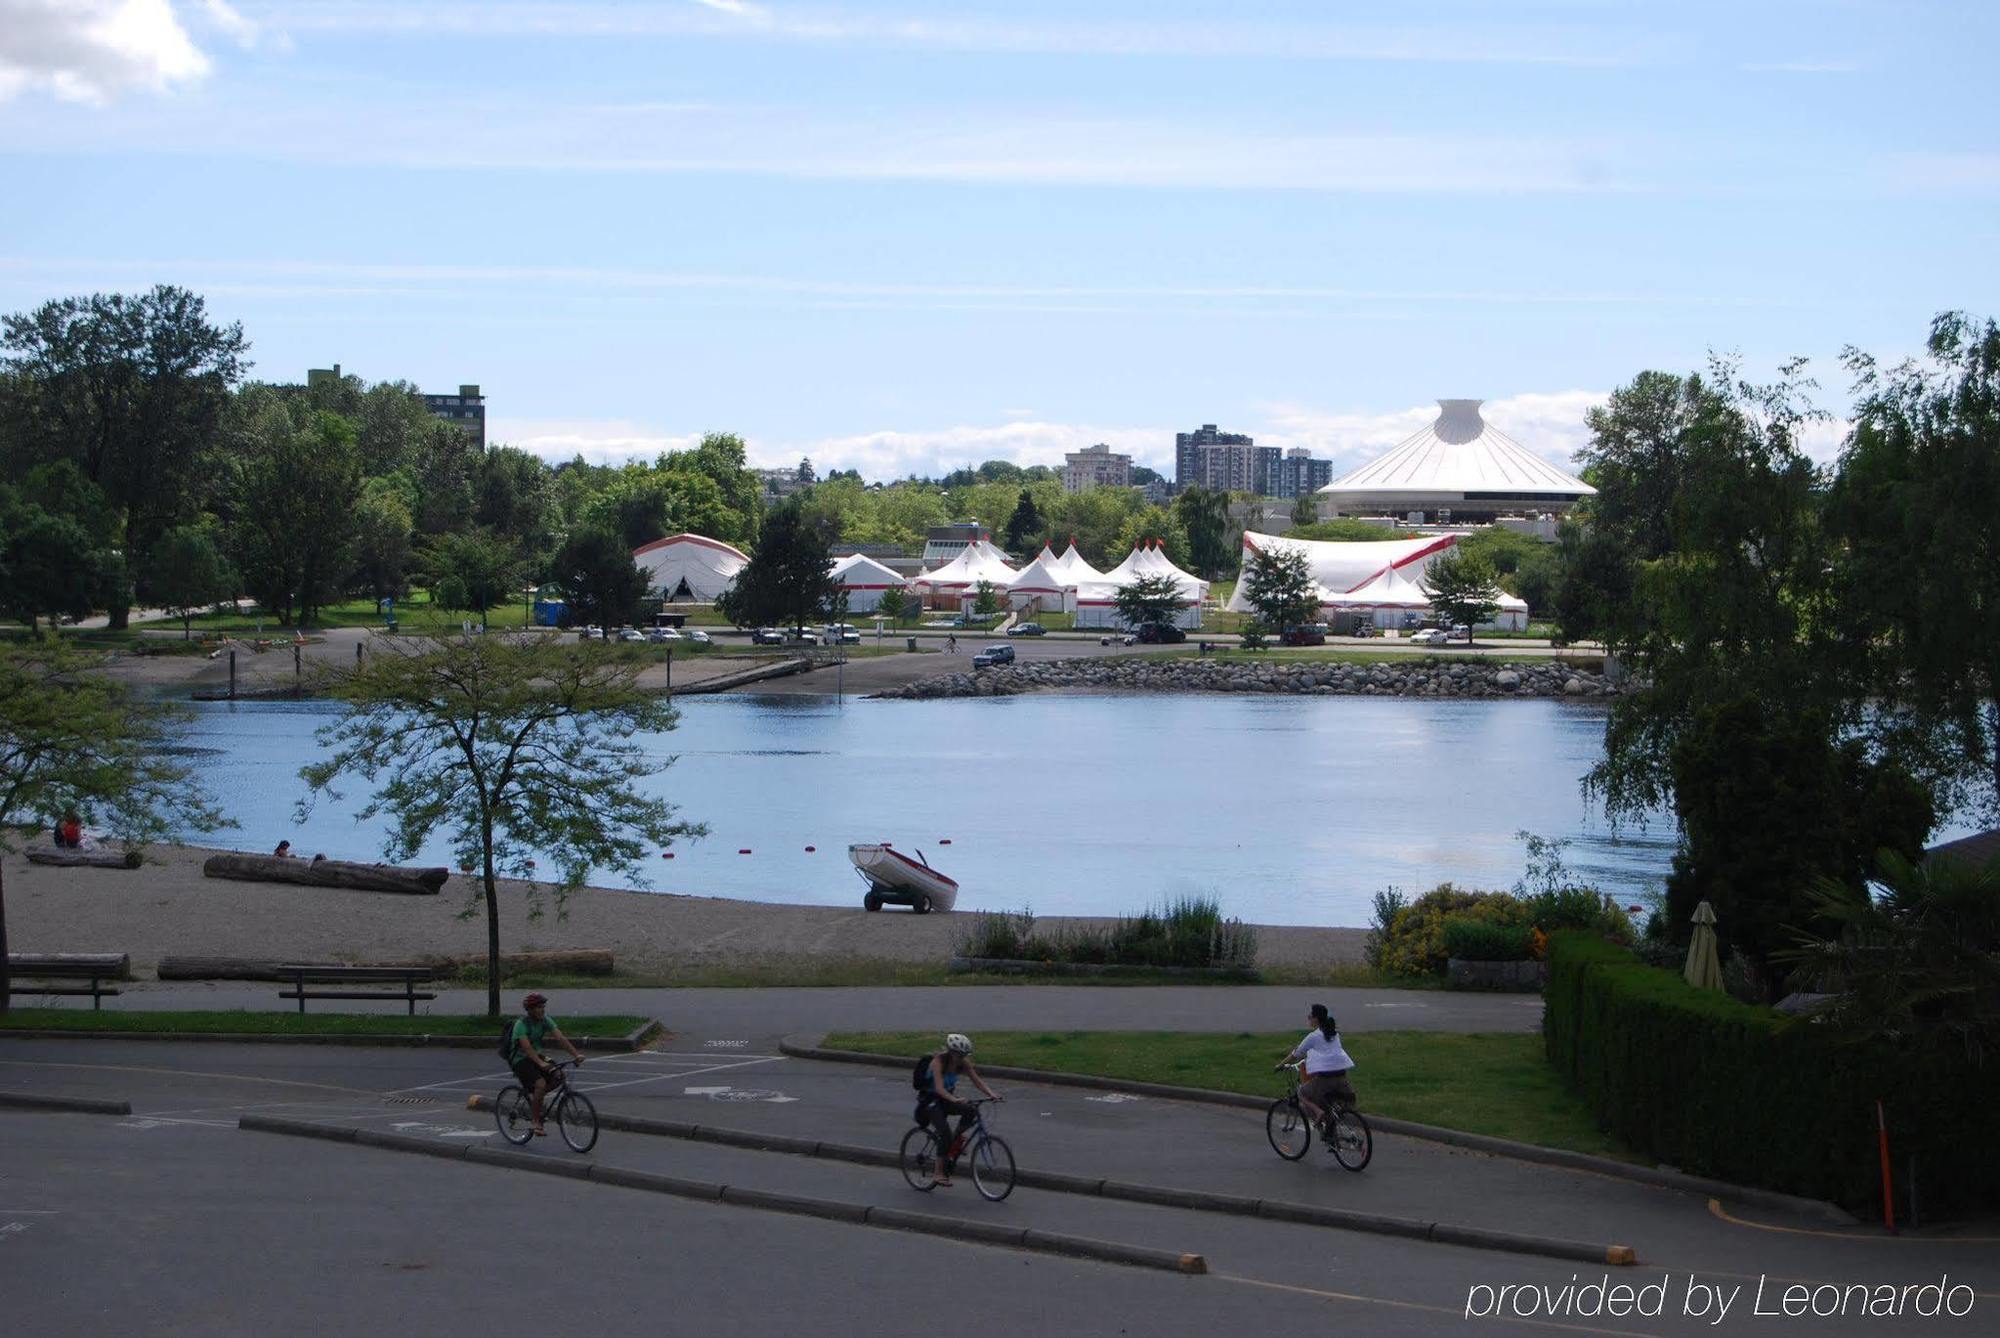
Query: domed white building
1461, 464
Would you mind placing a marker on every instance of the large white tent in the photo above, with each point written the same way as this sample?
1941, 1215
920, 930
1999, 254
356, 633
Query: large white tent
1460, 463
864, 581
1045, 583
957, 579
1341, 567
1075, 568
689, 567
1097, 600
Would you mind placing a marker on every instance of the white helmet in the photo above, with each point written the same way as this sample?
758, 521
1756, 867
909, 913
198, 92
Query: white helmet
958, 1043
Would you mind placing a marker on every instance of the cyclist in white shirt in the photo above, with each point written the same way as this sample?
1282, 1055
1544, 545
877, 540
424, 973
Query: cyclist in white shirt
1327, 1066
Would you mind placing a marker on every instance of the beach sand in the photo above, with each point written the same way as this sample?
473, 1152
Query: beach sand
167, 907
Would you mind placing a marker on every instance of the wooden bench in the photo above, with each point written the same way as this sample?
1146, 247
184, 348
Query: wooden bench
94, 967
301, 974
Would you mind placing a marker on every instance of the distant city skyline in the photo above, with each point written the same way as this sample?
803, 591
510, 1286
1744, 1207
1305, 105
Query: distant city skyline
912, 235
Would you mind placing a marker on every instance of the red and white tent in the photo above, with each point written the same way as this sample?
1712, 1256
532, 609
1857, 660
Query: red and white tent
865, 581
1097, 600
1341, 567
1044, 583
957, 579
686, 568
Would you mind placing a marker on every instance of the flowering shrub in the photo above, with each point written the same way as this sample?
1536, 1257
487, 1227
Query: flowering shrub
1414, 944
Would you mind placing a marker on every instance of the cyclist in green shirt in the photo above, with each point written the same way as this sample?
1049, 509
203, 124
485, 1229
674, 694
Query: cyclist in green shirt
531, 1031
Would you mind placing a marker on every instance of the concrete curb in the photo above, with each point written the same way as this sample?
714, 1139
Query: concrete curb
1234, 1205
983, 1233
81, 1105
797, 1048
607, 1044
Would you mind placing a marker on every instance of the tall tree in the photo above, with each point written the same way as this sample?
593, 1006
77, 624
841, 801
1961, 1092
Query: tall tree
788, 578
474, 571
1464, 588
1025, 525
1150, 599
512, 497
1204, 518
71, 738
1278, 583
1305, 509
601, 584
51, 568
382, 530
512, 745
187, 572
443, 462
131, 389
296, 513
1917, 506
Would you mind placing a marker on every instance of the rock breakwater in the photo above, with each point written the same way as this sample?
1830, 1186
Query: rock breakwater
1421, 677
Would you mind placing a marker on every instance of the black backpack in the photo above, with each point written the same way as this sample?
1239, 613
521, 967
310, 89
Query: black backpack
506, 1046
920, 1076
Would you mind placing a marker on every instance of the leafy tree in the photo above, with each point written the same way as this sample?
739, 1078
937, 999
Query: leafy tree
1278, 583
71, 738
896, 606
1463, 588
474, 570
600, 583
1150, 599
1917, 507
1149, 523
51, 568
787, 579
985, 599
295, 514
382, 530
1025, 524
804, 473
1141, 476
443, 460
722, 460
390, 420
1345, 529
188, 572
1204, 518
131, 389
1254, 635
1305, 510
511, 497
512, 745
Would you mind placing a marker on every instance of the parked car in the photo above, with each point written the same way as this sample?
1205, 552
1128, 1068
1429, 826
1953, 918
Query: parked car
588, 633
841, 634
1157, 634
660, 634
767, 636
1027, 629
1001, 654
1303, 634
630, 634
798, 636
1367, 629
1460, 633
697, 636
1429, 636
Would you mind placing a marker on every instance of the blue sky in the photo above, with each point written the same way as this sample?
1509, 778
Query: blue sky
911, 236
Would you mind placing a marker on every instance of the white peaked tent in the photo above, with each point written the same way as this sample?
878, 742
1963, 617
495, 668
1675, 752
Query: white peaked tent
1343, 567
957, 579
689, 567
1097, 600
865, 581
1045, 583
1075, 568
1461, 463
1387, 598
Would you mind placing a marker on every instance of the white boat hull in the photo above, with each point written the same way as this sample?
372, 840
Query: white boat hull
896, 879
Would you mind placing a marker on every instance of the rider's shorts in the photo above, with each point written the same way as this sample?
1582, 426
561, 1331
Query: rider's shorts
1324, 1089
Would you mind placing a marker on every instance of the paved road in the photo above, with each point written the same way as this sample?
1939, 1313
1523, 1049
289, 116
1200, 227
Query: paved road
174, 1221
764, 1015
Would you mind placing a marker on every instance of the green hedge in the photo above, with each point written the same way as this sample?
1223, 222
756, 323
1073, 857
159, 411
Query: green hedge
1472, 940
1719, 1088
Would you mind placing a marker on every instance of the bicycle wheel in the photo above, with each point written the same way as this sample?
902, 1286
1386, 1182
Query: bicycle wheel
1286, 1126
919, 1158
1353, 1144
577, 1118
513, 1114
993, 1168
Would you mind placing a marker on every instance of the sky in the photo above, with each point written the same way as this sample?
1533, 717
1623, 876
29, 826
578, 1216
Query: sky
906, 237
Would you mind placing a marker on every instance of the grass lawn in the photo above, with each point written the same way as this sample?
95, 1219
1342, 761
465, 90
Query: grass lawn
414, 613
293, 1023
1499, 1085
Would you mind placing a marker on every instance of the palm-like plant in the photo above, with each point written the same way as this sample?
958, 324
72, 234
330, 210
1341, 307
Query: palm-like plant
1918, 962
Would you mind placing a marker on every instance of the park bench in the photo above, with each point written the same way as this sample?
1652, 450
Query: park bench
93, 967
302, 974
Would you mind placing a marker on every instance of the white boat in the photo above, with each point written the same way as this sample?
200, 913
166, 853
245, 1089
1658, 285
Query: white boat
894, 879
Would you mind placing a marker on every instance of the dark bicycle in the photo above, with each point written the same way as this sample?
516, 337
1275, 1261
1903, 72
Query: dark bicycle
572, 1111
992, 1159
1291, 1131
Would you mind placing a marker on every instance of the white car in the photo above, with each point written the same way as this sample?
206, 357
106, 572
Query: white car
630, 634
697, 636
659, 634
1430, 636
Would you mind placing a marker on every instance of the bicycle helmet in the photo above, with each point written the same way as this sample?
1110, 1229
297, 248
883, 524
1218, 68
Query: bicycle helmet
958, 1043
534, 1001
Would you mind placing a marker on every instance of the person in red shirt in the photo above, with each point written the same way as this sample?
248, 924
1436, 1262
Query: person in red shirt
69, 832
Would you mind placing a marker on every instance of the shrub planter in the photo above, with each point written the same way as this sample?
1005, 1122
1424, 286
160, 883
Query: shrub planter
1010, 966
1521, 977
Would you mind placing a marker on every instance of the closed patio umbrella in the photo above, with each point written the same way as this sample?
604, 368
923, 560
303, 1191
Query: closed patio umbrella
1704, 968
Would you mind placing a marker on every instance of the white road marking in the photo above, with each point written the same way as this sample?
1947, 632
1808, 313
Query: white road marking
1115, 1098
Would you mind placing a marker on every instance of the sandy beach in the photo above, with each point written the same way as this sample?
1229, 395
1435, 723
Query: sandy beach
167, 907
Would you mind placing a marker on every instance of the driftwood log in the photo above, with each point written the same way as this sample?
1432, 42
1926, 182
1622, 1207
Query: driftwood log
325, 873
219, 968
575, 962
64, 858
565, 962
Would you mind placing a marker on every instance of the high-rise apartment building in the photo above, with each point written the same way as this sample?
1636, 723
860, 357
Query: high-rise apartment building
467, 409
1096, 467
1298, 473
1223, 461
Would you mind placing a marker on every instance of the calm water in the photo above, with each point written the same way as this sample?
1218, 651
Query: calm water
1289, 810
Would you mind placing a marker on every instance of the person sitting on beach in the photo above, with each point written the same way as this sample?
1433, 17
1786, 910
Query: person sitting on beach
69, 832
936, 1104
284, 850
535, 1073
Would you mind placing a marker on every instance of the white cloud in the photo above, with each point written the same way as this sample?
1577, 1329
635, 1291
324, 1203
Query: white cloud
893, 454
601, 441
93, 50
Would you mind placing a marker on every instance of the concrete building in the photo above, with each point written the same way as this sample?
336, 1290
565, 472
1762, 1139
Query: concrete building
466, 409
1461, 469
1223, 461
1096, 467
1298, 474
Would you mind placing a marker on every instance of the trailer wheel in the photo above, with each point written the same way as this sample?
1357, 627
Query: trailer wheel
873, 901
922, 905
